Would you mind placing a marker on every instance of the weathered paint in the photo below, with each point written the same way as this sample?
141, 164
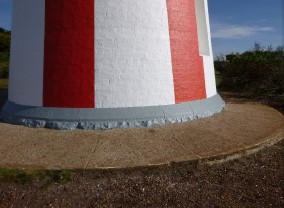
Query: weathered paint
69, 54
187, 64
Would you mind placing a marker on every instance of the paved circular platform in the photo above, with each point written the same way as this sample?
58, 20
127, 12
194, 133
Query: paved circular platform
240, 129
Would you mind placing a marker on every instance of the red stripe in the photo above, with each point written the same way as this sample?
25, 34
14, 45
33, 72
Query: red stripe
69, 54
189, 80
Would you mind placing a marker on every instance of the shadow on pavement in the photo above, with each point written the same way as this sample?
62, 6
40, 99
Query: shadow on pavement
3, 96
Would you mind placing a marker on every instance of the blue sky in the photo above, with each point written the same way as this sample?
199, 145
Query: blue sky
235, 24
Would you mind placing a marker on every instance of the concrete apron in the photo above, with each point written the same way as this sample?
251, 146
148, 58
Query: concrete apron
241, 129
109, 118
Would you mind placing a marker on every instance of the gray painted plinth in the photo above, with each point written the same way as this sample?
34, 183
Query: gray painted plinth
109, 118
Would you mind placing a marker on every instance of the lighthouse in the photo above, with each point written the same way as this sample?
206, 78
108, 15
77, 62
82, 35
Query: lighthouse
99, 64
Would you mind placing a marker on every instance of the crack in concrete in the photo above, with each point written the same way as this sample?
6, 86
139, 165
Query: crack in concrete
164, 112
182, 145
93, 153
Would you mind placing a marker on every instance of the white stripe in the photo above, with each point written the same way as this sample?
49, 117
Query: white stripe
133, 58
27, 52
209, 62
202, 28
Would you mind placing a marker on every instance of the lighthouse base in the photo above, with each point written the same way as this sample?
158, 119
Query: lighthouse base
109, 118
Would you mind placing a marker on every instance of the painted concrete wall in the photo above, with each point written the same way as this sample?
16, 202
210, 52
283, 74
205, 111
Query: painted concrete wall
187, 64
69, 54
208, 60
26, 68
138, 48
203, 41
133, 58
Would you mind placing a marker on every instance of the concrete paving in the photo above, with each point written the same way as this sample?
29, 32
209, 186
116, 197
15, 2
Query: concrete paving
240, 127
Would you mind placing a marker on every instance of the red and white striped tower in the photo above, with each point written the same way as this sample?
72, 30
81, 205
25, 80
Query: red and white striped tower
110, 63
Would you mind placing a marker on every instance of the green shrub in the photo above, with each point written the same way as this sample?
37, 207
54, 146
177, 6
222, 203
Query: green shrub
4, 65
258, 72
5, 39
4, 83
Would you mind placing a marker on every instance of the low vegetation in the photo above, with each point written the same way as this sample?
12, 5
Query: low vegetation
3, 83
4, 65
5, 37
256, 73
46, 177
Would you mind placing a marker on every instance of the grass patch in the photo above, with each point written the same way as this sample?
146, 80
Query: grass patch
19, 176
4, 83
47, 177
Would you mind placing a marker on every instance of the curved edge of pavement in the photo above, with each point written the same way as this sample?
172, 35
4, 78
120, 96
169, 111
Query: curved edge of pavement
214, 159
239, 153
240, 130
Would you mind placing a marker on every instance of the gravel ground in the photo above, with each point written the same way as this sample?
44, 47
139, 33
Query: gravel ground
253, 181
